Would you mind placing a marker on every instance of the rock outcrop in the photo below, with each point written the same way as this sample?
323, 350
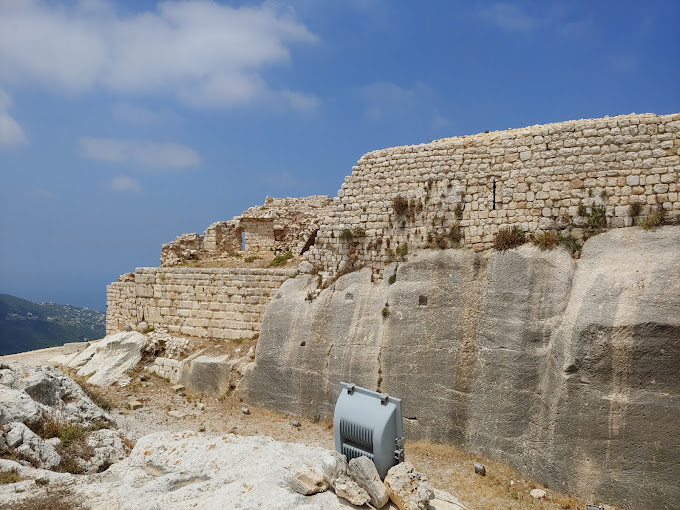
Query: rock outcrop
106, 361
28, 393
566, 369
173, 471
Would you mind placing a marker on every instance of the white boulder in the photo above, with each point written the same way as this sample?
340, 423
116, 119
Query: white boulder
106, 361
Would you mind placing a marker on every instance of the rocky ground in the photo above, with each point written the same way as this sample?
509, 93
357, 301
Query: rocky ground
205, 417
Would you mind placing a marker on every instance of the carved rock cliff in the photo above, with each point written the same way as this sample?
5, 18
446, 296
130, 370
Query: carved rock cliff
566, 369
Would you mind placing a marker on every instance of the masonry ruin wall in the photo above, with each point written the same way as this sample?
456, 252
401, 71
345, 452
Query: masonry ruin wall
463, 190
280, 225
213, 303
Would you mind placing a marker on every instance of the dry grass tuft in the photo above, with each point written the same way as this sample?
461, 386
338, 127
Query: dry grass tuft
51, 500
93, 393
509, 237
654, 220
547, 240
11, 476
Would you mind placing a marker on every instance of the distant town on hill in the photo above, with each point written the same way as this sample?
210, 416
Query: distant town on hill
26, 326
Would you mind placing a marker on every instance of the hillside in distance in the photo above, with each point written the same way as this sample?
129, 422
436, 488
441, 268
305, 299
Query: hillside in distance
26, 326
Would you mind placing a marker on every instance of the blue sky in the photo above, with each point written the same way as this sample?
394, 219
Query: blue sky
125, 124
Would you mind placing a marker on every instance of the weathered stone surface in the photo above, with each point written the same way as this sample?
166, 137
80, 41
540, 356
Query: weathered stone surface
445, 501
363, 471
556, 366
106, 361
24, 441
305, 482
336, 474
175, 471
408, 489
28, 391
306, 267
108, 449
537, 493
16, 405
208, 374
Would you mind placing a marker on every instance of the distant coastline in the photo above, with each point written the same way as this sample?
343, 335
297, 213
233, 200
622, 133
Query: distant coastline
27, 326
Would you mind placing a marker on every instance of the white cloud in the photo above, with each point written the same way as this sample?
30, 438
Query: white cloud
509, 17
204, 53
11, 133
158, 155
125, 183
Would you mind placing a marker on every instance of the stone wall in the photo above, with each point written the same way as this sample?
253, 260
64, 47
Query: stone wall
535, 177
210, 303
279, 225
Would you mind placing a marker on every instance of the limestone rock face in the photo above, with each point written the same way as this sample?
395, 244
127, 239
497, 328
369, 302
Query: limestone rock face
27, 392
175, 471
15, 405
24, 441
565, 369
108, 449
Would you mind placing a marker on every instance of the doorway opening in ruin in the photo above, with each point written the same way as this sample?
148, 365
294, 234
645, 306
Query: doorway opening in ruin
243, 241
493, 204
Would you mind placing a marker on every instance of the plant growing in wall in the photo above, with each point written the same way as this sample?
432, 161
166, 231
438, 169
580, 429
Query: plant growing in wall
346, 235
547, 240
456, 236
509, 237
654, 220
458, 211
358, 232
402, 250
597, 218
400, 205
386, 311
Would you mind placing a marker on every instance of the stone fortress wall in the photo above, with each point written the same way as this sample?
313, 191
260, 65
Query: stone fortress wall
471, 186
457, 190
214, 303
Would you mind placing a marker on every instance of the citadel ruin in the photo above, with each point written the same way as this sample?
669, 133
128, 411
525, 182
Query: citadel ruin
562, 363
457, 193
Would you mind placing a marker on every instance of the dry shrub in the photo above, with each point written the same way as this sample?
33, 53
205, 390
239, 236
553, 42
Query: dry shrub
654, 220
509, 237
400, 205
547, 240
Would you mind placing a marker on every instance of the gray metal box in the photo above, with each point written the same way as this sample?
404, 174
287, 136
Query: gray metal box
369, 423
